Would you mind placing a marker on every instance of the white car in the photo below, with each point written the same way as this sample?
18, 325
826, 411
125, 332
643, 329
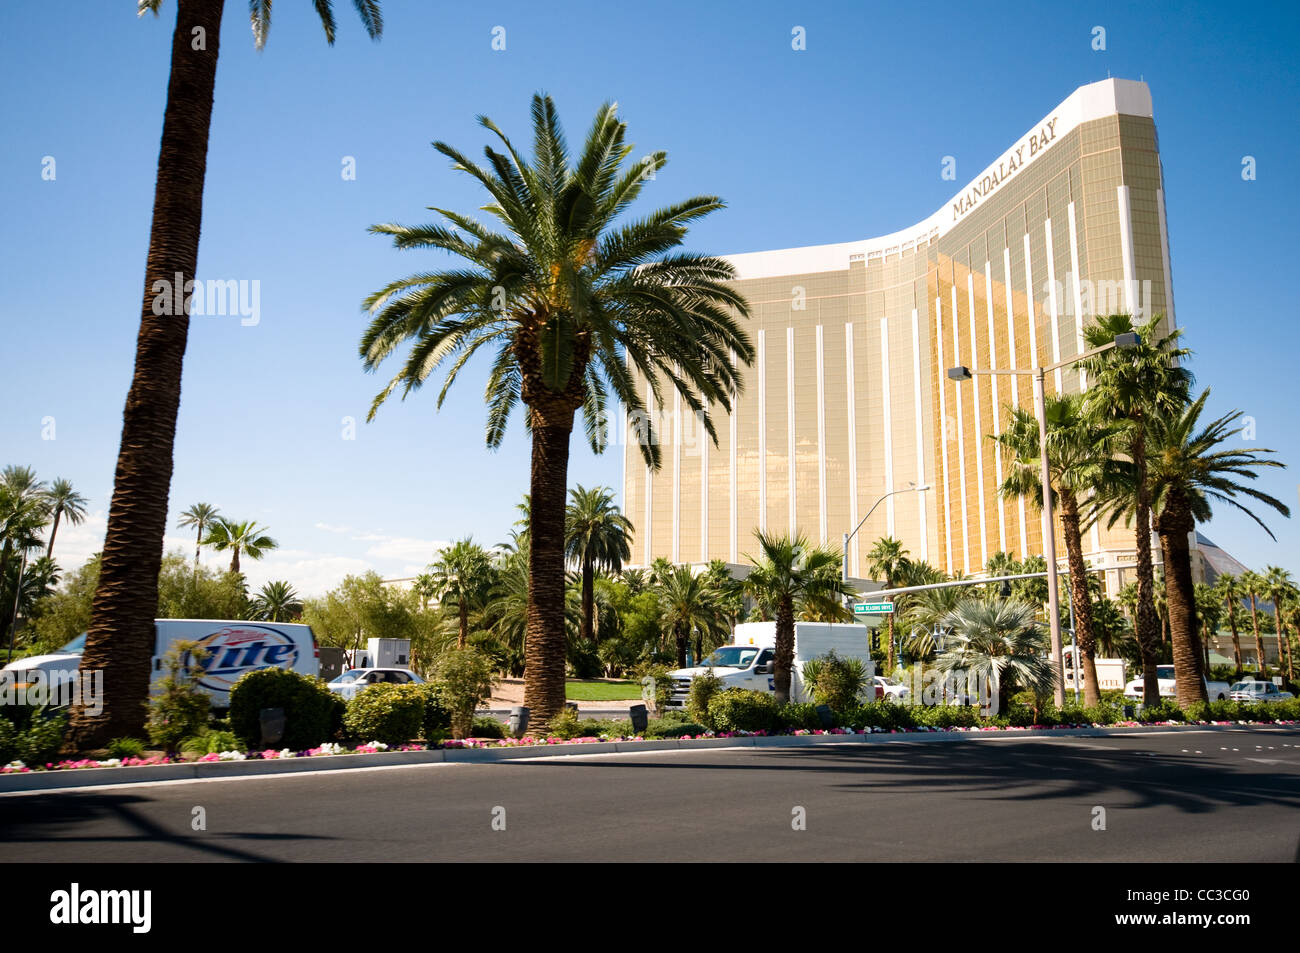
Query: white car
356, 679
1215, 691
889, 689
1258, 692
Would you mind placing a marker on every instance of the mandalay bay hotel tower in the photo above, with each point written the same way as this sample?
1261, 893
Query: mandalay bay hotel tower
848, 398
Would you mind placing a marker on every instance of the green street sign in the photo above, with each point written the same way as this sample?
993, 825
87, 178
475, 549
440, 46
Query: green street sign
873, 608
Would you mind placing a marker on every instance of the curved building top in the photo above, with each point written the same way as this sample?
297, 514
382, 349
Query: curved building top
1094, 101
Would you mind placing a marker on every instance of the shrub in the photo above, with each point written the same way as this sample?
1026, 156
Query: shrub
437, 715
703, 687
661, 682
946, 716
564, 725
739, 709
36, 743
1167, 710
672, 728
487, 728
312, 713
834, 681
211, 742
464, 678
125, 748
393, 714
180, 709
885, 714
794, 716
568, 725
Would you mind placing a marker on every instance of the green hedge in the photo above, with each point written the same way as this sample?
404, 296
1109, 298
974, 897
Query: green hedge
392, 714
313, 714
35, 740
739, 709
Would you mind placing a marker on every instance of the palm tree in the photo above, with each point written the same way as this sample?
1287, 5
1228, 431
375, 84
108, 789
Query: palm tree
887, 561
276, 602
1081, 462
120, 640
574, 303
1252, 587
24, 511
999, 643
1128, 384
462, 575
597, 536
65, 502
787, 571
1228, 590
1112, 631
200, 516
1209, 612
690, 608
1188, 470
1277, 585
245, 538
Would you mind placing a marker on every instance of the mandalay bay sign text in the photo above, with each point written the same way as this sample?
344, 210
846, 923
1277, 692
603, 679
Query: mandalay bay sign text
1013, 161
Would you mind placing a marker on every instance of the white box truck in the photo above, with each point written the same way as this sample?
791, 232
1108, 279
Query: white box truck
748, 661
1112, 673
233, 648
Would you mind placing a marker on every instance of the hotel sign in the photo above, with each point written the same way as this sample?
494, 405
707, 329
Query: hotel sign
1012, 161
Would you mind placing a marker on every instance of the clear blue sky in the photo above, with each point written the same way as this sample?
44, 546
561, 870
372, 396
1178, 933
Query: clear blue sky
838, 142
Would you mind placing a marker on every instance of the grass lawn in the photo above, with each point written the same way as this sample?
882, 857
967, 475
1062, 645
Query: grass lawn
580, 691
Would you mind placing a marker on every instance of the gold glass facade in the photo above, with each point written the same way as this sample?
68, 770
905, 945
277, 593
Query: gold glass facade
848, 398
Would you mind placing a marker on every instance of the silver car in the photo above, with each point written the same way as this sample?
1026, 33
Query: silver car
356, 679
1258, 692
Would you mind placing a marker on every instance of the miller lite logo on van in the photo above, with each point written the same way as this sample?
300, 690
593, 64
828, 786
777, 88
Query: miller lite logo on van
237, 649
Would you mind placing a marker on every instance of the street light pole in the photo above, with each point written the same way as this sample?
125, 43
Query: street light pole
844, 561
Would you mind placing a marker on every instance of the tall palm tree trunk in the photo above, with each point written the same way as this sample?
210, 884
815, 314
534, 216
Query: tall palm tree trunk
234, 560
1259, 640
198, 545
1282, 640
680, 638
1236, 640
588, 599
544, 638
49, 549
784, 662
1079, 599
1180, 599
120, 640
1147, 623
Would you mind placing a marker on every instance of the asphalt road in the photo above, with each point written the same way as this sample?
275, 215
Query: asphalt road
1189, 796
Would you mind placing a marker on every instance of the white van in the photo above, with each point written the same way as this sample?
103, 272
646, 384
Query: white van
233, 648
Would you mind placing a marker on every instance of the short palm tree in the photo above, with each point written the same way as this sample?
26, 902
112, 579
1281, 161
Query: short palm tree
121, 639
462, 576
887, 562
597, 536
1081, 461
690, 608
1228, 589
276, 602
1125, 386
65, 503
24, 511
788, 570
1252, 588
245, 538
1278, 585
199, 517
1189, 468
997, 642
572, 302
1209, 612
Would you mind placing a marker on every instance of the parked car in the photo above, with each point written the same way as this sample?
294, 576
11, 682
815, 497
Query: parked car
1258, 692
1215, 691
356, 679
889, 689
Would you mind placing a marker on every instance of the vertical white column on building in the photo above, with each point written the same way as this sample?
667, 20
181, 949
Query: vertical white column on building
853, 443
888, 424
997, 408
701, 440
821, 434
961, 438
1076, 290
1033, 314
1015, 386
943, 433
975, 415
789, 419
677, 476
1126, 249
1052, 304
734, 529
762, 430
651, 434
1164, 255
921, 499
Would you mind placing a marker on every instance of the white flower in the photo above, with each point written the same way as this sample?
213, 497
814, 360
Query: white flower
377, 745
286, 752
15, 766
232, 756
110, 763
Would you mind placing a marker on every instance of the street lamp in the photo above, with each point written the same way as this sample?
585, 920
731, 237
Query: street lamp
961, 373
844, 562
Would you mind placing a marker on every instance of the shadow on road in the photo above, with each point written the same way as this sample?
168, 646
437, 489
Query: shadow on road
57, 818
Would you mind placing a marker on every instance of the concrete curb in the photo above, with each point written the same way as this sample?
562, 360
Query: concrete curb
224, 770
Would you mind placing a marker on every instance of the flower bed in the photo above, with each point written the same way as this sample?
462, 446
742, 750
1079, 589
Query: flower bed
374, 747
